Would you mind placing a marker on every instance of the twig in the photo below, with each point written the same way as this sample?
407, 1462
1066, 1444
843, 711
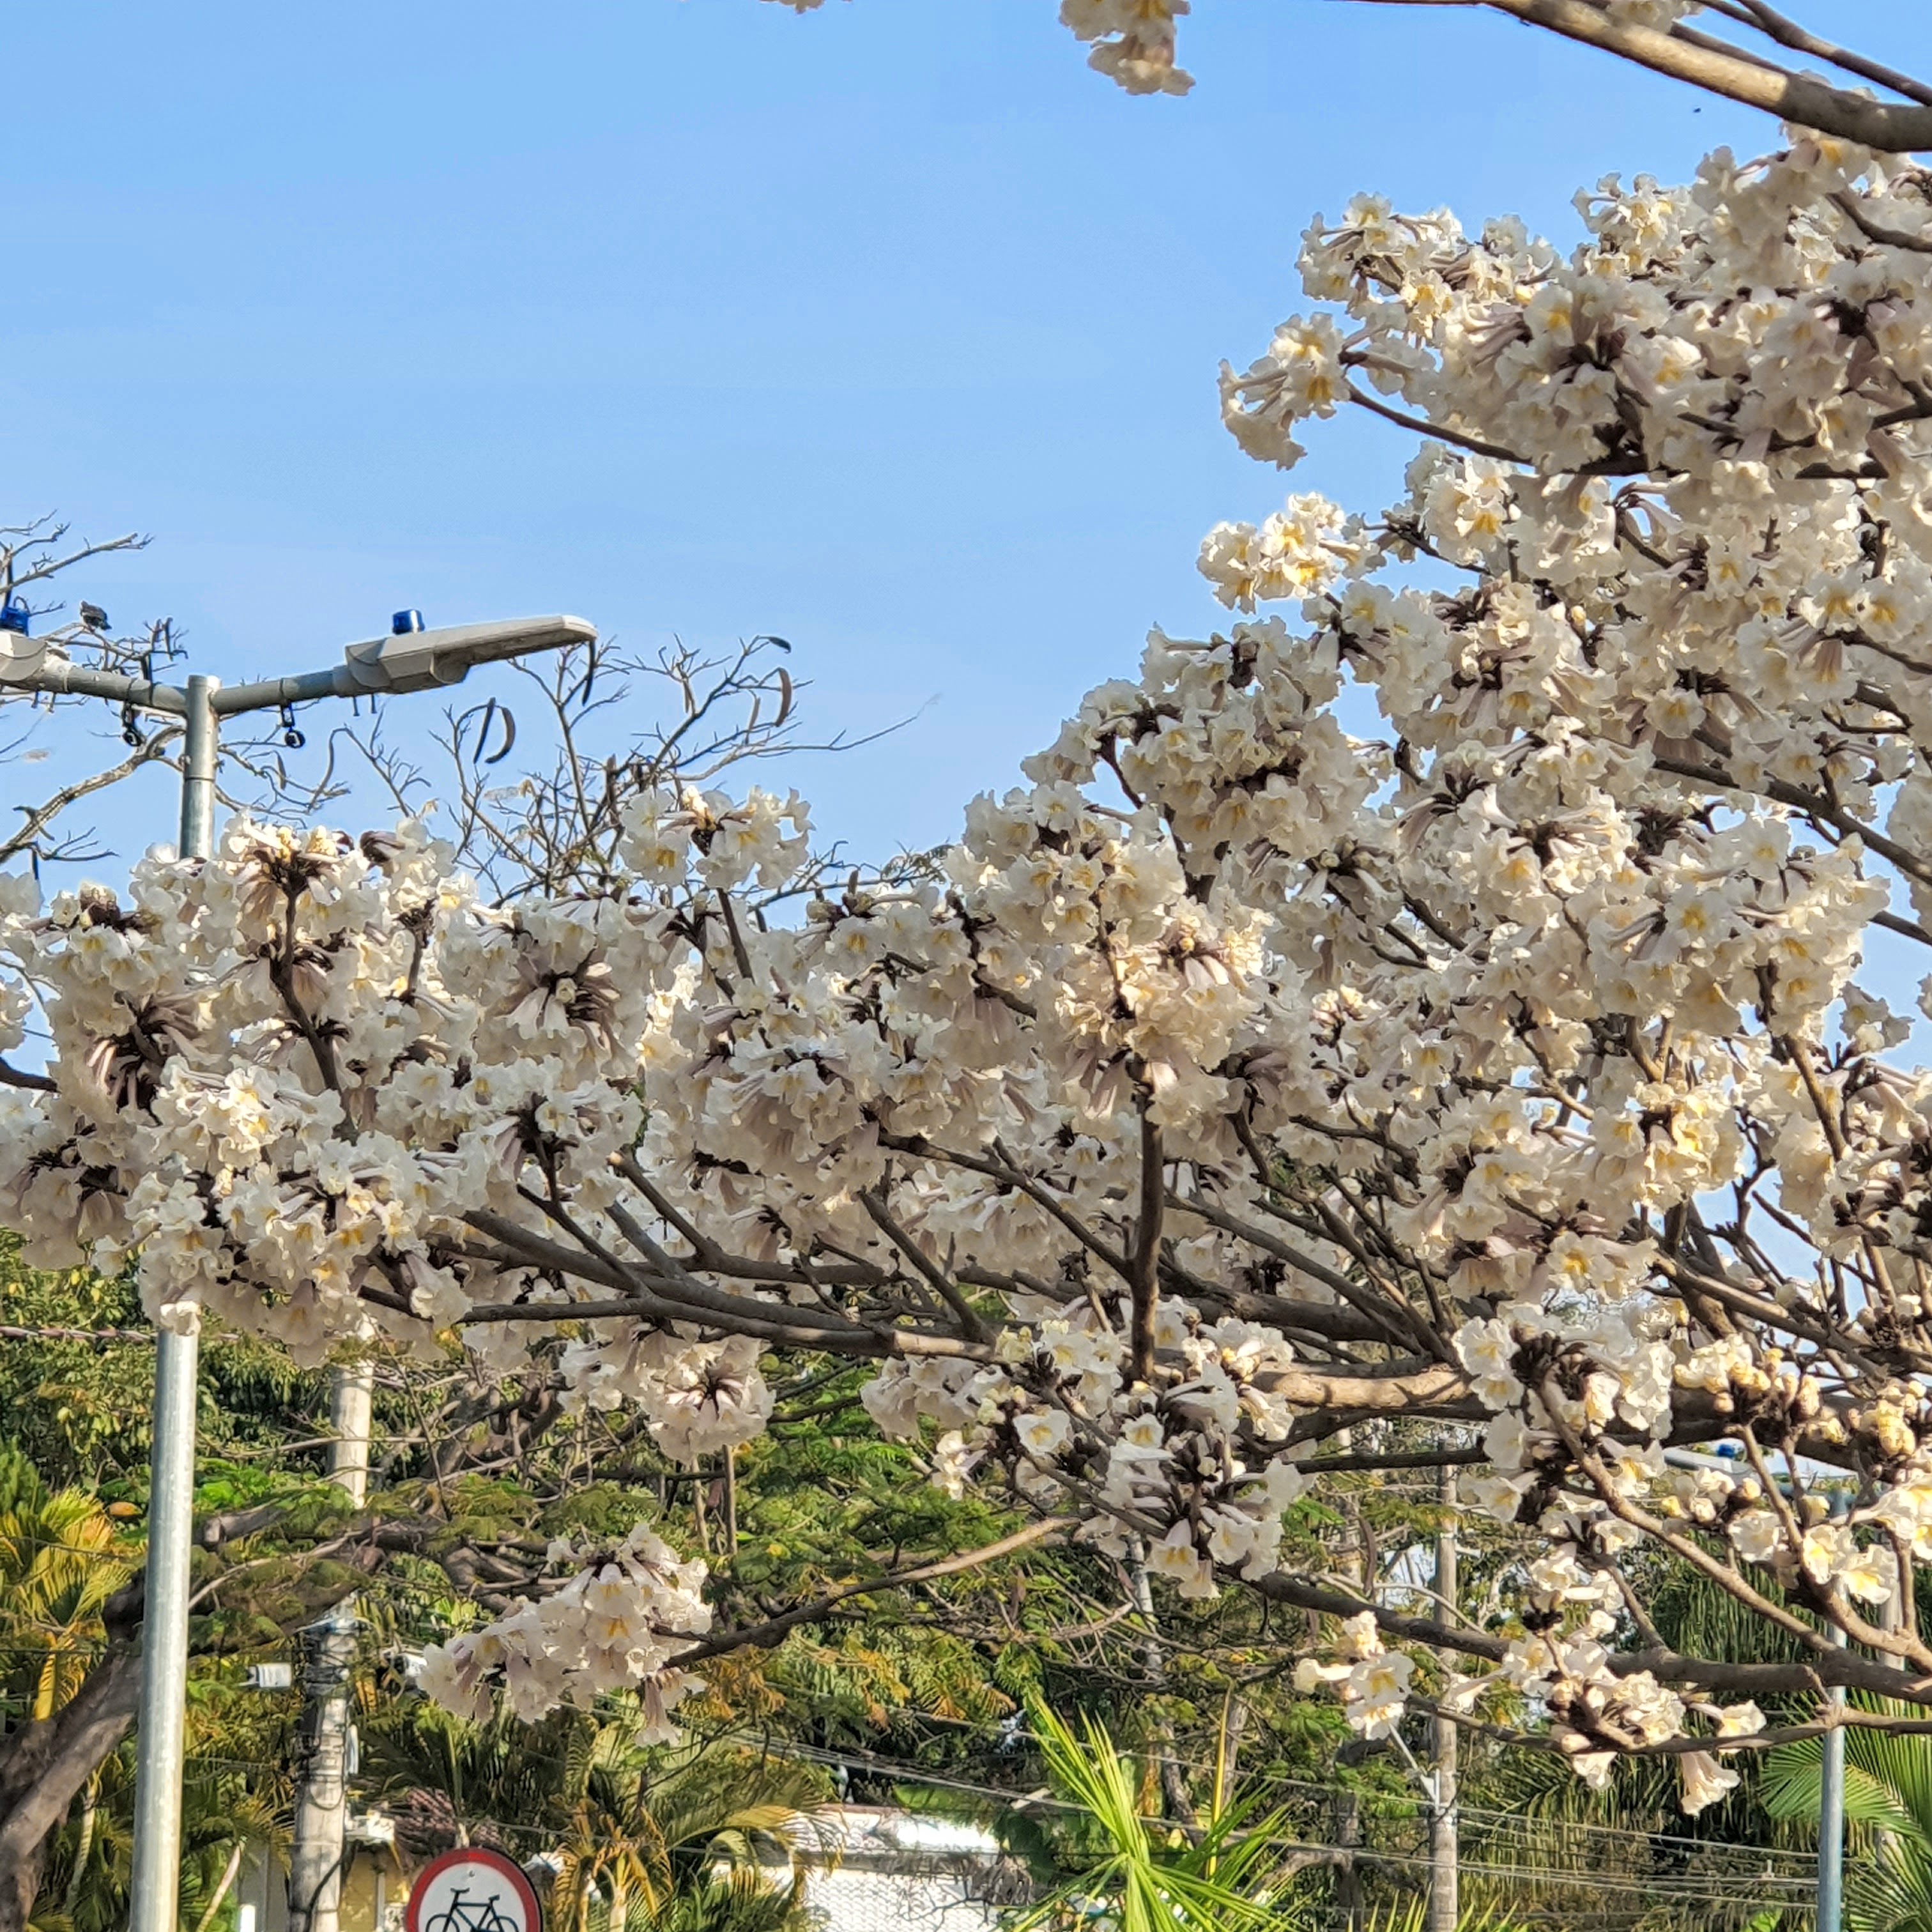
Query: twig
766, 1635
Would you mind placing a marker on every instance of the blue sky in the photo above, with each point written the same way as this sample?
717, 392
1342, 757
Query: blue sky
891, 328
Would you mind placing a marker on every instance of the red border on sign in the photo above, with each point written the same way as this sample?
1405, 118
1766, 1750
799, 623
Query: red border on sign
474, 1855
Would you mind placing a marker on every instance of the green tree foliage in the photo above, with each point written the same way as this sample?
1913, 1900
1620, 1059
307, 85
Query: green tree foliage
647, 1839
1888, 1808
75, 1400
472, 1477
76, 1388
61, 1557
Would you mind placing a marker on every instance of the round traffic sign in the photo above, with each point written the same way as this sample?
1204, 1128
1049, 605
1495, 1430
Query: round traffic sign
472, 1890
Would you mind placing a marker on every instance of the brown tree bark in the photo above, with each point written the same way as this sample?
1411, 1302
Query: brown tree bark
45, 1765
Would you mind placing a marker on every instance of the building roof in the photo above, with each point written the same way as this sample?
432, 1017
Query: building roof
896, 1871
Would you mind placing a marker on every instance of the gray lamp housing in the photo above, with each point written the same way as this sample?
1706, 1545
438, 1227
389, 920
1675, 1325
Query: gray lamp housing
422, 660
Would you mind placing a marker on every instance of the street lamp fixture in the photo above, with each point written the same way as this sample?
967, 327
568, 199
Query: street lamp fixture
409, 659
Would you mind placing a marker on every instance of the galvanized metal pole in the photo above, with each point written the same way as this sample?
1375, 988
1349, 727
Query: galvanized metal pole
1832, 1815
161, 1741
1445, 1907
1832, 1796
429, 660
200, 750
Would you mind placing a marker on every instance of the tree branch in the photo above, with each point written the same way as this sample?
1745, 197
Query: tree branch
768, 1634
1888, 126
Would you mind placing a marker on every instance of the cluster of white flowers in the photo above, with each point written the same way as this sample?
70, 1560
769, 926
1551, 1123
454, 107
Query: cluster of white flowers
1236, 1081
701, 1396
1130, 41
1371, 1681
613, 1626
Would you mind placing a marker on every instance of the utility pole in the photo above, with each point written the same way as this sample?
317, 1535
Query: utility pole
1351, 1562
317, 1845
1443, 1851
351, 1392
1154, 1660
409, 659
1891, 1617
1831, 1902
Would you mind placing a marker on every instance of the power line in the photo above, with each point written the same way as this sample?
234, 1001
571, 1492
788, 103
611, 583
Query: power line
1521, 1821
1505, 1820
1669, 1888
1660, 1883
10, 1334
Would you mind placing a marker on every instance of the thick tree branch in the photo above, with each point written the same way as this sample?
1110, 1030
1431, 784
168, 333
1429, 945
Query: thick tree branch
1888, 126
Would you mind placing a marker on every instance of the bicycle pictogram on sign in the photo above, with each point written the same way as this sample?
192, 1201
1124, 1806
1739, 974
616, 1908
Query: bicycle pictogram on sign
472, 1890
463, 1915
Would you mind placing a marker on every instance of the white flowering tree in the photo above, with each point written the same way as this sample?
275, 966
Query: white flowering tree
545, 822
1253, 1077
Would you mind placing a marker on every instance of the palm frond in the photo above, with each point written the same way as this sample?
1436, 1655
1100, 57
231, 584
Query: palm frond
1201, 1884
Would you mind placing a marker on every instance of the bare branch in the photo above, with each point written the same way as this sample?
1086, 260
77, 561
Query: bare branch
1891, 128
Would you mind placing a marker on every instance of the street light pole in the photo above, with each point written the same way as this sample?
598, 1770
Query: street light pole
160, 1737
1831, 1814
200, 752
1831, 1794
1444, 1910
409, 659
